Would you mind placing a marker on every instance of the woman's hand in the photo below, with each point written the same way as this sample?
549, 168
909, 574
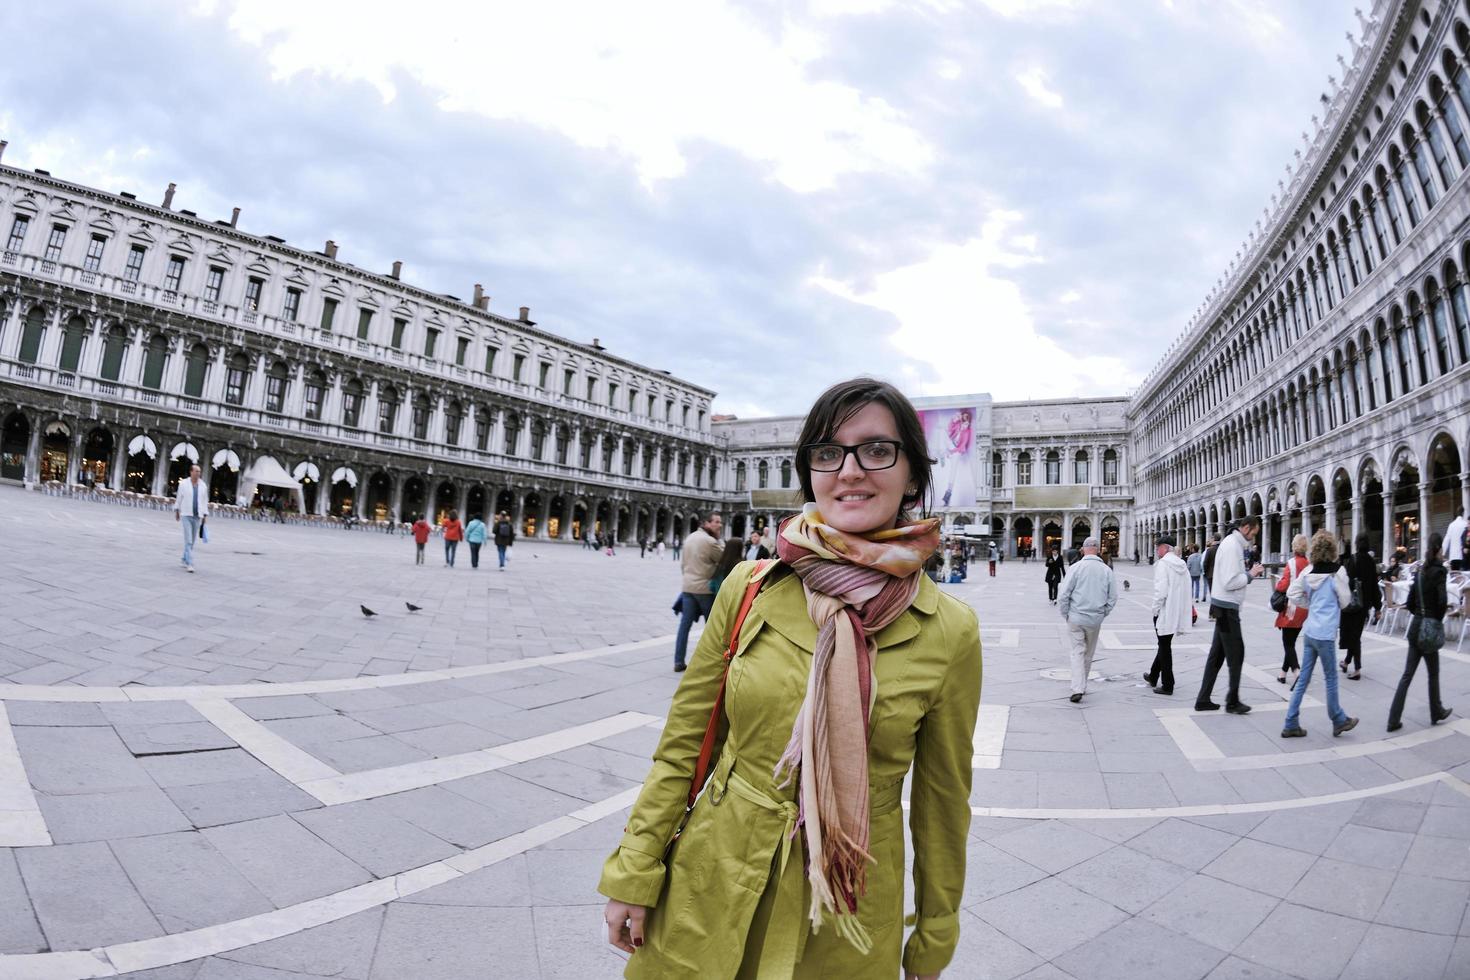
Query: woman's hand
625, 925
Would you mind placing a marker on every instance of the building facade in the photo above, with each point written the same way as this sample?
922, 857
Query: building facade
136, 340
1326, 380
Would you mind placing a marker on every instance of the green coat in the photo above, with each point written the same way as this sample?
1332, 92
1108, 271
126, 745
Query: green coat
733, 899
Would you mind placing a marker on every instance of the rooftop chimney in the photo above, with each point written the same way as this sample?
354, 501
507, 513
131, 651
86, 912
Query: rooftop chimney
482, 302
235, 218
331, 250
397, 272
168, 196
3, 145
525, 314
597, 344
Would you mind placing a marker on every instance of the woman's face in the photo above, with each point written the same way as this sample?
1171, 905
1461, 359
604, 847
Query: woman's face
856, 500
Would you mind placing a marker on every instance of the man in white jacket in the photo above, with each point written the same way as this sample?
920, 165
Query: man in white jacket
191, 510
1173, 612
1227, 592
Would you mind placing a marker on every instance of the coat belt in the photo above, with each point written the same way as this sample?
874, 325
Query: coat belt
790, 923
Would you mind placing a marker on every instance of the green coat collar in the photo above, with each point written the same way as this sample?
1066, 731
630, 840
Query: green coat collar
782, 605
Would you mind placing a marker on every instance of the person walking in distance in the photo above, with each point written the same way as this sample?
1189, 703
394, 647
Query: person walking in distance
1227, 592
993, 554
1196, 563
1289, 621
677, 548
1173, 612
421, 532
1324, 592
191, 510
1455, 541
453, 534
505, 536
1056, 570
1363, 579
702, 551
1090, 594
1428, 600
474, 536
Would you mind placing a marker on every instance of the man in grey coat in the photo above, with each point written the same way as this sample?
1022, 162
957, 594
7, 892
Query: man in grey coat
1089, 594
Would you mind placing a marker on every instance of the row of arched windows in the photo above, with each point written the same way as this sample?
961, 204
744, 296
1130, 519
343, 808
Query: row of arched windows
1052, 468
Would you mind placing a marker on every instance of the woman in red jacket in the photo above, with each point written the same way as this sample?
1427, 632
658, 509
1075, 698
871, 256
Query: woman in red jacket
453, 534
1291, 625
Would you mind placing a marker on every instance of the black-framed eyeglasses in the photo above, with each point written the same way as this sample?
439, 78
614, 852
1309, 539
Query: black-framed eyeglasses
828, 457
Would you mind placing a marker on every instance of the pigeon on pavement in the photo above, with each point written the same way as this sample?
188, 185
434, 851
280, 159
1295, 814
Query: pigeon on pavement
412, 608
366, 611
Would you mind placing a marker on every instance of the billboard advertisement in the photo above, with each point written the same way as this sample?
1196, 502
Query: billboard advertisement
950, 433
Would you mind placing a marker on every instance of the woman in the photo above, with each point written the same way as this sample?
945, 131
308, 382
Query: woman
453, 533
1056, 570
769, 876
475, 533
1289, 621
1363, 578
1427, 600
1323, 590
729, 558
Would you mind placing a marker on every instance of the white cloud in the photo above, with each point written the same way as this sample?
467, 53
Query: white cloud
643, 80
1033, 80
972, 329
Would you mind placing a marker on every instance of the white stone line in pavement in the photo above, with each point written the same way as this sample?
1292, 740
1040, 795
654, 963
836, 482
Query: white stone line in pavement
350, 788
181, 947
1110, 640
21, 822
1347, 750
295, 764
995, 636
990, 735
1190, 738
232, 692
1213, 809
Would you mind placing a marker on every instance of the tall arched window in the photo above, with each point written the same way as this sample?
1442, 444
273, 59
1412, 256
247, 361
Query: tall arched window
387, 409
513, 432
1400, 165
1376, 225
1390, 206
113, 346
155, 357
1023, 470
237, 376
1439, 318
277, 380
1422, 345
1452, 122
1405, 343
31, 334
538, 437
73, 338
1079, 468
1385, 360
1419, 150
997, 471
563, 440
762, 475
740, 477
1460, 303
316, 395
1438, 149
196, 368
453, 423
352, 403
785, 474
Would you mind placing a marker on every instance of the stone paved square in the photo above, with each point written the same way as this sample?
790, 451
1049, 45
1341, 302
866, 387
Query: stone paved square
351, 796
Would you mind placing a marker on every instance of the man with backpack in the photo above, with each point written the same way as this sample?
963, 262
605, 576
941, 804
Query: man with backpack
505, 535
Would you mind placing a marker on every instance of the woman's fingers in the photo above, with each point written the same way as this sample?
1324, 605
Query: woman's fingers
617, 930
625, 925
636, 915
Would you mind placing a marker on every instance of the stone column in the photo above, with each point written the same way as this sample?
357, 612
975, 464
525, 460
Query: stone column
1357, 517
543, 516
430, 498
1329, 514
397, 498
1423, 514
1387, 522
518, 511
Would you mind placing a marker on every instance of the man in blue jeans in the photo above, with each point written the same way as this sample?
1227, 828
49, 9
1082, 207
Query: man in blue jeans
191, 510
701, 555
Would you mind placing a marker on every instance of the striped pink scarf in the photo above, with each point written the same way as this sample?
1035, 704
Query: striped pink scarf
855, 585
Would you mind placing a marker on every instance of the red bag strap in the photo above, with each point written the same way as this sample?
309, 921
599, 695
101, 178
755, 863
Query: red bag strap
712, 730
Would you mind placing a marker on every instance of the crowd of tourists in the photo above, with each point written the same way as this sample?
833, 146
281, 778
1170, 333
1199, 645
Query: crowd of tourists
1324, 597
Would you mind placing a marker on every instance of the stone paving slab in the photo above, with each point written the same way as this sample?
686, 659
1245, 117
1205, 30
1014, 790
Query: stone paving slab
1297, 865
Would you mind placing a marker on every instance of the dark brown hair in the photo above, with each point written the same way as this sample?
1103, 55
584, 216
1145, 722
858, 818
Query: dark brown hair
845, 399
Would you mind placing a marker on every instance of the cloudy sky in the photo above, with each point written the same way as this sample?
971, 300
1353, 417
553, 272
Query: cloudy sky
1025, 197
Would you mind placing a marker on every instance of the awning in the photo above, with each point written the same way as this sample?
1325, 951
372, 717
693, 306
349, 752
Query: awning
306, 471
344, 473
226, 457
143, 444
182, 450
266, 472
57, 429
